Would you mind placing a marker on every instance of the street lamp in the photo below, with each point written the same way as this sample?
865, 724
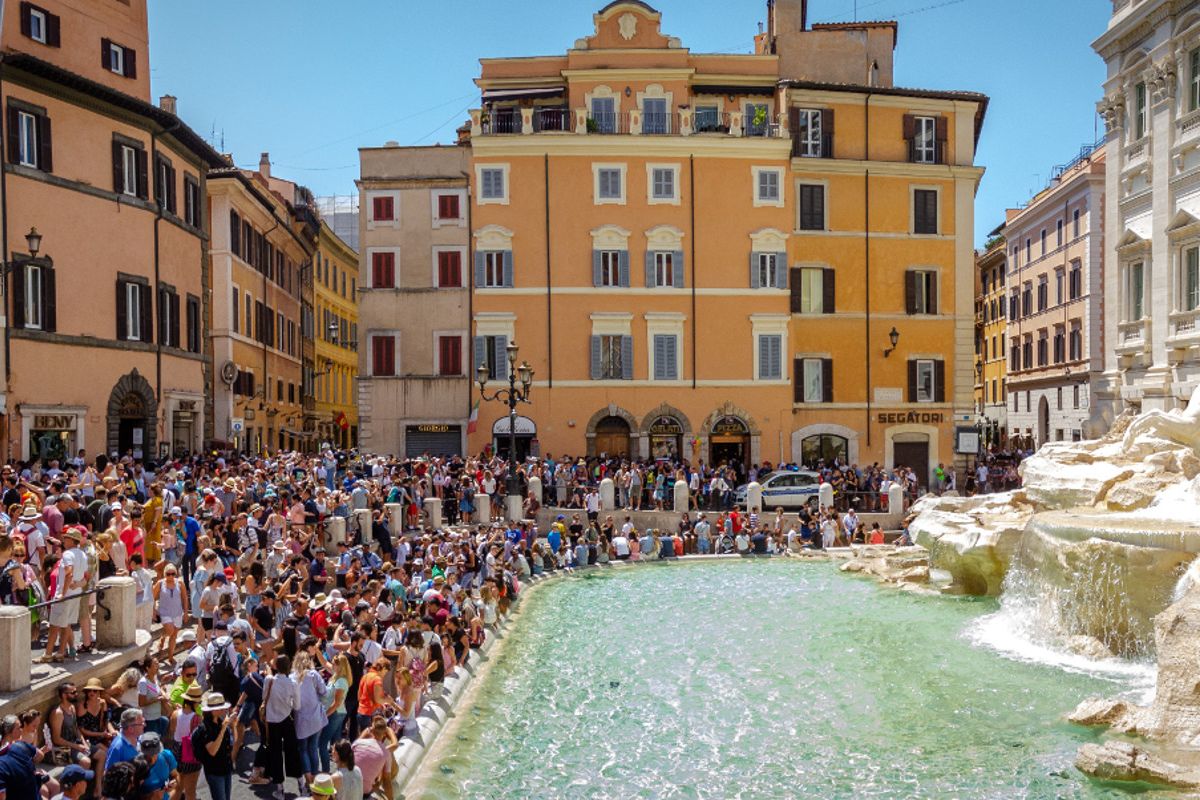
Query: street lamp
893, 337
34, 240
522, 374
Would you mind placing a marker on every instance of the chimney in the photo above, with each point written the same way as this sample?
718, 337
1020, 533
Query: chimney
790, 16
264, 165
167, 104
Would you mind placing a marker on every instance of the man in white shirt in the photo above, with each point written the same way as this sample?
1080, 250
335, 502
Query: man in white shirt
592, 503
72, 577
621, 545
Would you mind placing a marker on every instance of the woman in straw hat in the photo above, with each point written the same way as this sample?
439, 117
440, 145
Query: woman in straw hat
212, 744
184, 722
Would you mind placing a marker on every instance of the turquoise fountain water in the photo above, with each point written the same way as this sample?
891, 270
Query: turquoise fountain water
759, 679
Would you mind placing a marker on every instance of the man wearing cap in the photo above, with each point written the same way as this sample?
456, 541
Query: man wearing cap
125, 747
72, 577
163, 767
74, 781
33, 532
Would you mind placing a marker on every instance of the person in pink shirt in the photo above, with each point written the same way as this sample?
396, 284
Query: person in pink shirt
134, 537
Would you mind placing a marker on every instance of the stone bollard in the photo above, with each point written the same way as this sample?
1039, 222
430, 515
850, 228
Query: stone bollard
826, 495
896, 500
335, 532
483, 508
433, 506
514, 507
395, 518
14, 640
681, 497
754, 500
362, 521
535, 489
608, 499
119, 597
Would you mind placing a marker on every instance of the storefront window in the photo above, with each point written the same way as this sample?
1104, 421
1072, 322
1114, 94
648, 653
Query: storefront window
825, 447
666, 438
50, 444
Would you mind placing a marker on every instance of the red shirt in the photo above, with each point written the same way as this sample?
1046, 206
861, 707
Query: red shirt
133, 539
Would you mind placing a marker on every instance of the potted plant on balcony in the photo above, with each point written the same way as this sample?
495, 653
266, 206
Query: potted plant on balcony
592, 125
759, 120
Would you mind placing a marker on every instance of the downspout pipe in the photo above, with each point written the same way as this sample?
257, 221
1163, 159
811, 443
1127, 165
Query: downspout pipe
5, 259
549, 310
692, 210
867, 252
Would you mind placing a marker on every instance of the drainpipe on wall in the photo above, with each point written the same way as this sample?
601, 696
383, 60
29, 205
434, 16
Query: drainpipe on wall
867, 252
4, 257
469, 267
549, 315
692, 208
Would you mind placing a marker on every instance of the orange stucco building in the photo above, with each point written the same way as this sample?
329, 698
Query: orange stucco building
704, 255
105, 323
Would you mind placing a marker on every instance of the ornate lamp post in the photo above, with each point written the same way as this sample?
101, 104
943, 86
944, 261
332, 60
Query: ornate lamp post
513, 395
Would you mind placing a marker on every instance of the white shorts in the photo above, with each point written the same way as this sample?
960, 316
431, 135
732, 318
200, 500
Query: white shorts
64, 614
176, 621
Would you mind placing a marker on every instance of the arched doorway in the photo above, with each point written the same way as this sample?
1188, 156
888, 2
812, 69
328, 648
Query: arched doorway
666, 438
824, 447
525, 429
132, 411
729, 441
612, 437
1043, 421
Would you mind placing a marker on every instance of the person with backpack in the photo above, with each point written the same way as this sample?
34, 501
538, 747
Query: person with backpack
224, 665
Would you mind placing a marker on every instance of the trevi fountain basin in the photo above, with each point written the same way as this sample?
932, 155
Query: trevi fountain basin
1095, 562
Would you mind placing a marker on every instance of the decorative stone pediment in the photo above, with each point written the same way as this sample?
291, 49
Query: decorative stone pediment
1131, 243
1182, 224
627, 24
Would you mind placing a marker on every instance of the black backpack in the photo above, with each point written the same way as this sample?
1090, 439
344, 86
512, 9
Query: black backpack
221, 672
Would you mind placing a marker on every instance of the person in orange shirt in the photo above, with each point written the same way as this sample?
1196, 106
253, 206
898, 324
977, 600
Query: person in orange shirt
371, 696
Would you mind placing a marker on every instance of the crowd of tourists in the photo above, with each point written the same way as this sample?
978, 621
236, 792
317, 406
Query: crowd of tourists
298, 640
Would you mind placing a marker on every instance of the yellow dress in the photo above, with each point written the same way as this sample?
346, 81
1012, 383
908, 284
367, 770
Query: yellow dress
152, 520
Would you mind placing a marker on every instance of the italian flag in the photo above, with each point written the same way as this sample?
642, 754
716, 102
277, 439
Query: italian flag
473, 420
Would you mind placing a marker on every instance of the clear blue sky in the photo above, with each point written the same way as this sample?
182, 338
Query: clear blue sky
311, 81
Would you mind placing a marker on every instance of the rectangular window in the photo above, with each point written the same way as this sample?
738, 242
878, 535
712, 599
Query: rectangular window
1075, 281
1058, 287
925, 380
812, 207
1043, 242
1014, 307
1194, 80
664, 269
1139, 111
1134, 294
1043, 293
1191, 279
33, 296
663, 183
450, 355
129, 159
448, 206
383, 270
812, 290
168, 319
654, 116
925, 140
383, 355
611, 366
768, 186
37, 23
1043, 347
1076, 342
604, 115
756, 119
235, 309
164, 185
249, 315
27, 130
491, 183
1014, 357
813, 386
708, 120
133, 311
610, 268
1060, 344
1075, 224
1028, 250
493, 269
193, 324
922, 293
1027, 299
808, 133
1059, 233
666, 364
449, 269
116, 58
1027, 353
383, 209
925, 211
608, 183
769, 272
770, 357
191, 201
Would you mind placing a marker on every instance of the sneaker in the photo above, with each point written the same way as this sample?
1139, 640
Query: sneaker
277, 794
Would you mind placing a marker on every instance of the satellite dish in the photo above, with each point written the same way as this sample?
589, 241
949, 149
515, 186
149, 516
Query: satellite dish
229, 372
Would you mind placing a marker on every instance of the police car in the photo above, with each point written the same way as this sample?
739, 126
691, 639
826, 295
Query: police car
787, 489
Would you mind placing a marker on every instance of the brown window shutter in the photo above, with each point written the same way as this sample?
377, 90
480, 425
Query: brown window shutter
130, 63
26, 20
794, 287
794, 128
174, 320
106, 53
143, 183
910, 292
940, 136
53, 32
910, 126
118, 167
18, 295
827, 133
912, 381
939, 381
797, 380
147, 309
932, 305
14, 136
122, 311
826, 380
827, 290
49, 301
45, 145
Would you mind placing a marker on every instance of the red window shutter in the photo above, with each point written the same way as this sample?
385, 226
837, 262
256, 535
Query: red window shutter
449, 269
53, 31
130, 63
383, 355
381, 209
26, 20
106, 53
383, 270
448, 206
450, 355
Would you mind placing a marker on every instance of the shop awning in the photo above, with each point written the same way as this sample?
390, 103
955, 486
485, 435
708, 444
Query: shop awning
524, 427
535, 93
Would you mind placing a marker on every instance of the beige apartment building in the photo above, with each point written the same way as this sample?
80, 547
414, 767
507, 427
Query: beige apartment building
1055, 279
414, 309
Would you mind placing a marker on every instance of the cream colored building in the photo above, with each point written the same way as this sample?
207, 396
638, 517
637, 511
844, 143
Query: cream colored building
413, 356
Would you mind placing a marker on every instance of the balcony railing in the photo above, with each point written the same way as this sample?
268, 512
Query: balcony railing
608, 122
656, 123
553, 119
505, 123
684, 122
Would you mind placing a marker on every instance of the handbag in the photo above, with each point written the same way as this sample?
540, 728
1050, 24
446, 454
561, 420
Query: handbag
187, 755
262, 710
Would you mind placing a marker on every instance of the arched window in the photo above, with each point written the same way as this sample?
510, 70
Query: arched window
823, 447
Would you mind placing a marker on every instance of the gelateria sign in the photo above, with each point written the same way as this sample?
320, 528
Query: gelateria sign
899, 418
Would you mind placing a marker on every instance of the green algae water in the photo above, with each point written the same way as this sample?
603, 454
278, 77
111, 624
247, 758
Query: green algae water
758, 679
